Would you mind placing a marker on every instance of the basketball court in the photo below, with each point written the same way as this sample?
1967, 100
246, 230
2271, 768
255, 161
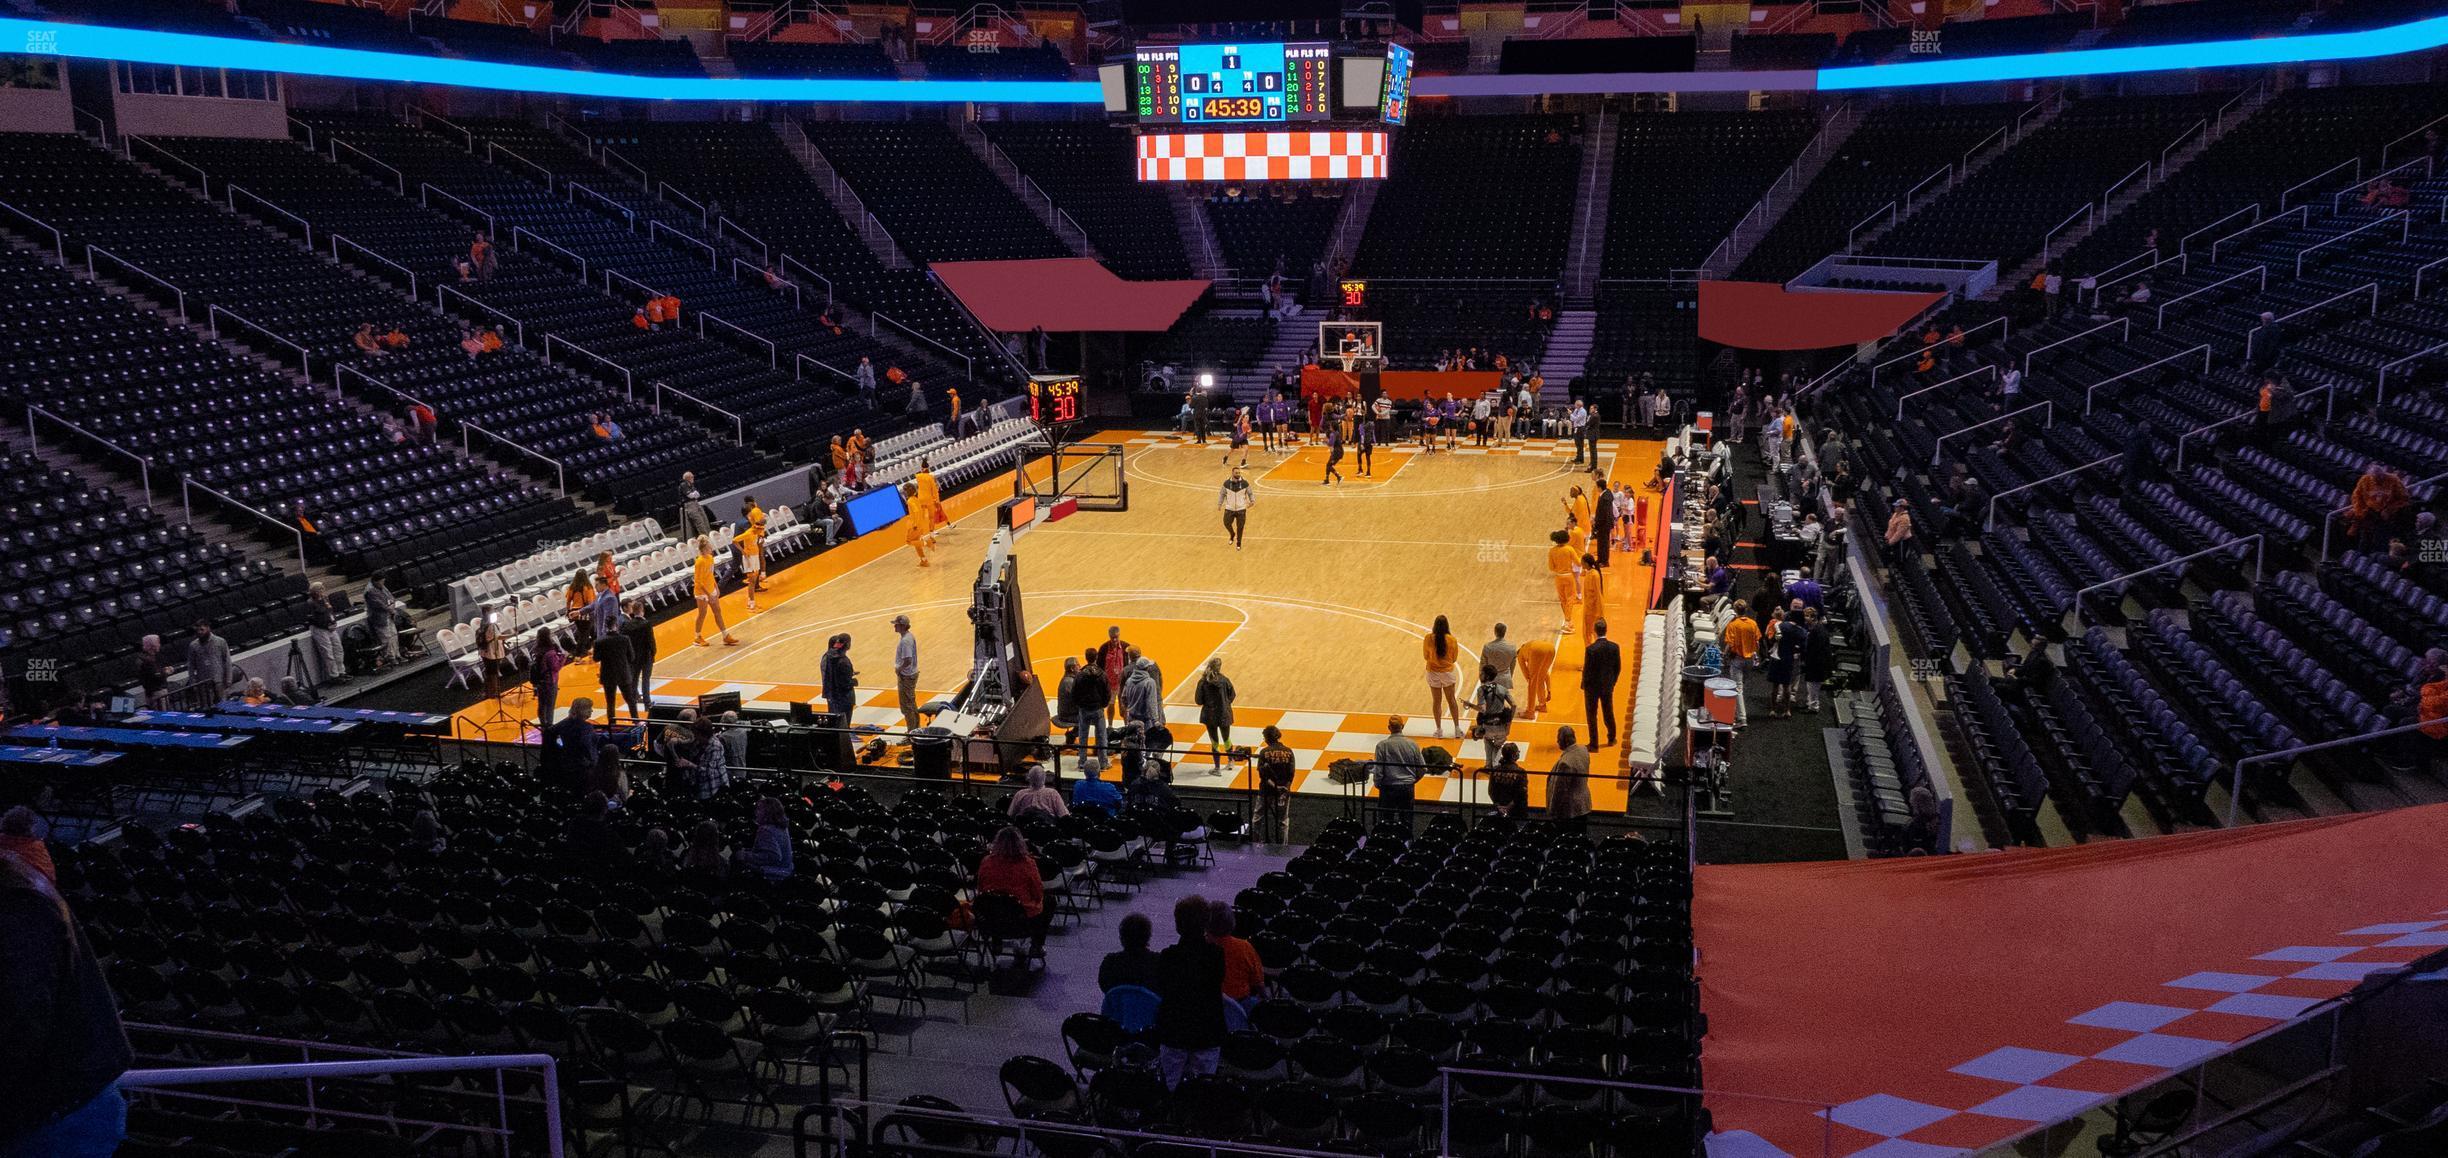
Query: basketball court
1318, 619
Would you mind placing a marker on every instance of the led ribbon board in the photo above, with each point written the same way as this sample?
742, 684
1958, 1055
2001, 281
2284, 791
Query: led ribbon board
99, 42
1293, 156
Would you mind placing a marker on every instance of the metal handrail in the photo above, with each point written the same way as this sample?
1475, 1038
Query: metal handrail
656, 229
1914, 193
2248, 415
494, 147
2261, 270
2236, 795
337, 240
547, 1068
739, 426
2329, 521
2381, 393
800, 362
2404, 220
2301, 213
626, 377
560, 475
447, 288
665, 192
607, 154
875, 319
1938, 447
144, 466
397, 177
2126, 323
798, 299
2006, 328
573, 188
2425, 268
187, 503
2410, 134
764, 251
59, 240
788, 261
2354, 163
91, 250
340, 368
2202, 125
773, 353
1965, 162
2142, 170
1991, 370
2337, 202
2260, 545
311, 146
1990, 523
2253, 337
1889, 209
426, 190
212, 319
420, 115
231, 191
2186, 245
2182, 261
648, 290
2091, 391
129, 141
519, 231
2086, 213
1824, 1111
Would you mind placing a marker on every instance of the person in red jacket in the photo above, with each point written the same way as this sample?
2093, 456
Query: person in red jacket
1008, 868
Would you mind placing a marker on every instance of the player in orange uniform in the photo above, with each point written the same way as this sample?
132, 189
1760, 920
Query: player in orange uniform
1593, 596
750, 543
1562, 560
920, 535
1536, 658
702, 584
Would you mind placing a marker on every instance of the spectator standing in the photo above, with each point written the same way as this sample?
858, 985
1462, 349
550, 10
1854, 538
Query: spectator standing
151, 673
1568, 794
710, 760
695, 522
493, 654
1740, 639
1440, 651
840, 679
1398, 767
1142, 699
1113, 656
383, 618
1492, 712
614, 666
324, 629
1215, 695
865, 379
905, 670
1090, 696
65, 1047
208, 662
1189, 1029
1818, 657
550, 658
1601, 667
1500, 653
1275, 776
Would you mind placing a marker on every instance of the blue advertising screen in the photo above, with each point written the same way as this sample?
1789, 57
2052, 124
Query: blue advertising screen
1394, 101
877, 508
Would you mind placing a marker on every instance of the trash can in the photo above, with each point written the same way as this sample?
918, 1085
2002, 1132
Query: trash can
1695, 681
931, 753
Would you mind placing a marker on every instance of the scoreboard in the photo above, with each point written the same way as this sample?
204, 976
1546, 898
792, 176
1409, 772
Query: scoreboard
1198, 84
1394, 101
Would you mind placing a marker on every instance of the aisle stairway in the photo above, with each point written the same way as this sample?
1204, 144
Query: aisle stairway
1568, 348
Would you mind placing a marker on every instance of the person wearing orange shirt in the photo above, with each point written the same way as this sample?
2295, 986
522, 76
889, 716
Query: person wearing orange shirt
671, 308
919, 539
1244, 973
607, 573
577, 604
1741, 643
396, 339
1440, 650
1536, 658
750, 543
1561, 562
490, 341
840, 456
708, 598
929, 505
640, 320
952, 401
1593, 602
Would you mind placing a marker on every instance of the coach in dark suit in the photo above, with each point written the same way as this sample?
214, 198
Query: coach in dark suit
1602, 523
1601, 666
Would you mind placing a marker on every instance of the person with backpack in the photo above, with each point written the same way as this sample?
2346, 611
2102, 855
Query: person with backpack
1492, 705
1275, 774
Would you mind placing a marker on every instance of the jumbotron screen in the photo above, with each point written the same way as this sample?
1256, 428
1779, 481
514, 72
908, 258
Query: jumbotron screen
1200, 84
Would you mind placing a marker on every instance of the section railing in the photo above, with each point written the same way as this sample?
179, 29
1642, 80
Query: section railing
214, 314
2258, 271
739, 426
231, 193
444, 292
2398, 217
2252, 340
2301, 213
338, 240
398, 179
144, 466
628, 380
203, 179
289, 527
426, 193
520, 234
2091, 392
773, 353
969, 366
59, 240
2123, 324
573, 189
380, 1069
92, 251
495, 151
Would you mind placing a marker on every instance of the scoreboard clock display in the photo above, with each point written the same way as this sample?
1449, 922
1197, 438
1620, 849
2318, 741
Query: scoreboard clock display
1054, 398
1198, 84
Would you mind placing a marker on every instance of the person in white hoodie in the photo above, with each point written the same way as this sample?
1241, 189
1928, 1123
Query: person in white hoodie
1234, 498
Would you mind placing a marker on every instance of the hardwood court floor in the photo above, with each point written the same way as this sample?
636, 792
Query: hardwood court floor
1318, 618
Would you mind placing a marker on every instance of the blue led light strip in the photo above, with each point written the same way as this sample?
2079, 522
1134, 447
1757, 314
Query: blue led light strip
98, 42
2418, 36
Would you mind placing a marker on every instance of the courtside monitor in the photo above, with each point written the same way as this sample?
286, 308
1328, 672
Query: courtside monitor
880, 507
